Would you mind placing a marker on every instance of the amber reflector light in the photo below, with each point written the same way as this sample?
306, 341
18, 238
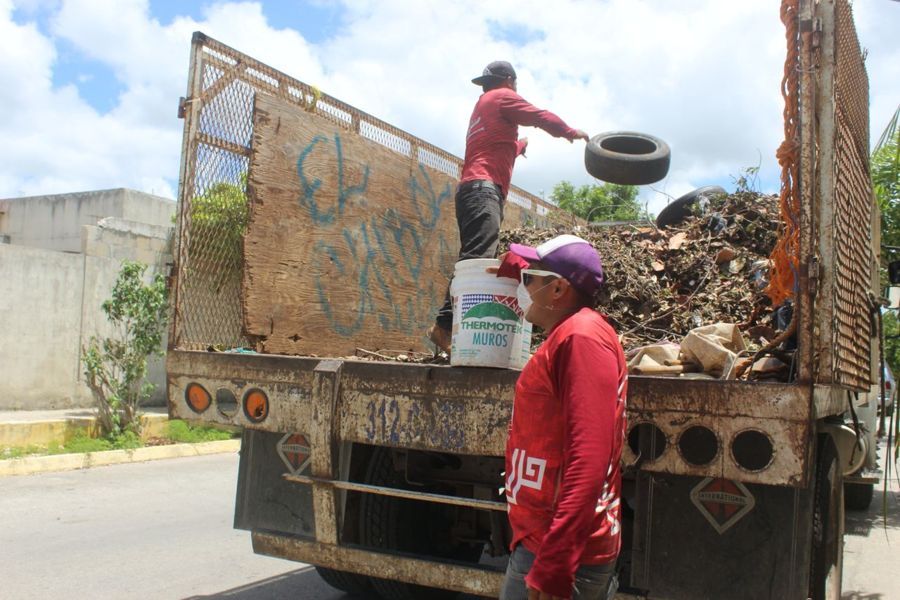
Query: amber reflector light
256, 405
197, 398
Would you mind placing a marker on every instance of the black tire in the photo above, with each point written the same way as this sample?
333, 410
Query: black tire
397, 524
627, 158
858, 496
827, 548
679, 209
352, 583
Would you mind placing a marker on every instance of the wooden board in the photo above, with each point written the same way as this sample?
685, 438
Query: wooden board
350, 244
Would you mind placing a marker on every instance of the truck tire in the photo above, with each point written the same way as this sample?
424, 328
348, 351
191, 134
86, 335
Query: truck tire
627, 158
384, 523
679, 209
352, 583
827, 548
858, 496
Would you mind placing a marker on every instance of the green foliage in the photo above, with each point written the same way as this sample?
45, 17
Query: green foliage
180, 431
885, 167
606, 202
219, 219
885, 170
747, 181
115, 366
79, 444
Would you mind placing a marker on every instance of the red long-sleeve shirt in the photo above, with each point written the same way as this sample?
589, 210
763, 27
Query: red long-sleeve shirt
492, 143
563, 479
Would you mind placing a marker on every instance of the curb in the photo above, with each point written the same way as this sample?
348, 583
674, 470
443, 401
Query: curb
30, 465
25, 433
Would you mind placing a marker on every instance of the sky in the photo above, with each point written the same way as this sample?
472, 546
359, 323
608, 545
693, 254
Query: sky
89, 88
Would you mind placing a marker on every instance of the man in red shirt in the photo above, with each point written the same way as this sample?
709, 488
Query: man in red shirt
492, 146
563, 479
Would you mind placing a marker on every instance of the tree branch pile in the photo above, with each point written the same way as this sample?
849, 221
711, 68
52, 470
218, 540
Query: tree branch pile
661, 283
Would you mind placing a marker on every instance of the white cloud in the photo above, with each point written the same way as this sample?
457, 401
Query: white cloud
703, 75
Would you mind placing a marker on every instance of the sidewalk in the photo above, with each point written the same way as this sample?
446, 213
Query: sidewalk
23, 428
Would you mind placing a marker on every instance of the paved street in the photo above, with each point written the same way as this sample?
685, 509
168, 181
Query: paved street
872, 547
152, 530
163, 530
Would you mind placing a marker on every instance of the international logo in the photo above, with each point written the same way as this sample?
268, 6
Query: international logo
294, 451
722, 502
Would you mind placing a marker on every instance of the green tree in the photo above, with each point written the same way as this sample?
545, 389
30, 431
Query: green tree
219, 219
885, 166
605, 202
115, 366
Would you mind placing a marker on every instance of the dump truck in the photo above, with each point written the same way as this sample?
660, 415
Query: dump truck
311, 234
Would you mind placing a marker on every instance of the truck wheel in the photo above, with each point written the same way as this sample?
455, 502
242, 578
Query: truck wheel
352, 583
401, 525
858, 496
827, 552
627, 158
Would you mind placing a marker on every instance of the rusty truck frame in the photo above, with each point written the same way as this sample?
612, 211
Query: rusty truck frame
386, 476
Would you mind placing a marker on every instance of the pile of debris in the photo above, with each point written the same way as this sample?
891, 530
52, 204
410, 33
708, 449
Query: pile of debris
663, 282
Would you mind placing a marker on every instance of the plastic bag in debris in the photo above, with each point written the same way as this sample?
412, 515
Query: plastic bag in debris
714, 347
654, 355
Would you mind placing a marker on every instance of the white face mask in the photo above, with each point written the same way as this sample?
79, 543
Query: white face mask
524, 298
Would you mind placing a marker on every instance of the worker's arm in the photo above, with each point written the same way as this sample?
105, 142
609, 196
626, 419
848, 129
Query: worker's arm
586, 381
521, 112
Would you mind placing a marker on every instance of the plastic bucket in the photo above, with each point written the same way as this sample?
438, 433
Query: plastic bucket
488, 328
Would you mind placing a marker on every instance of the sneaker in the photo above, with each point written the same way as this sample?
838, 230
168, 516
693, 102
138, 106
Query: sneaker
440, 337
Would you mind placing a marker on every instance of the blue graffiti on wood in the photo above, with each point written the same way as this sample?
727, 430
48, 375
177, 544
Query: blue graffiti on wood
310, 188
388, 259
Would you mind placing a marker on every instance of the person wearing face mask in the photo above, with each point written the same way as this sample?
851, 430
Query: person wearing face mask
563, 479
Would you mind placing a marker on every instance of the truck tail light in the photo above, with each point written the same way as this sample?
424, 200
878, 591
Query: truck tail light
197, 398
256, 405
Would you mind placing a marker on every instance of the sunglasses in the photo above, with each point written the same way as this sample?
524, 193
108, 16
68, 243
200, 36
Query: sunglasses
528, 275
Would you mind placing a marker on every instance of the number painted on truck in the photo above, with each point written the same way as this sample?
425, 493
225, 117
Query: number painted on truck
391, 421
383, 420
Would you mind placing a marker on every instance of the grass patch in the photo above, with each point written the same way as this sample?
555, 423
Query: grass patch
79, 444
176, 430
183, 432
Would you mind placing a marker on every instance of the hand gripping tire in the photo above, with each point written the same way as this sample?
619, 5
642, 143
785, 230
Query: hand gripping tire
627, 158
679, 209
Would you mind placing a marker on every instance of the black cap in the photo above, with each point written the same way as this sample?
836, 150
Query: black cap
496, 71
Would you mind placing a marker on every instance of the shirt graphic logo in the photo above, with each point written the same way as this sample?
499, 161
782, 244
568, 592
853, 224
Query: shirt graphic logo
473, 127
526, 471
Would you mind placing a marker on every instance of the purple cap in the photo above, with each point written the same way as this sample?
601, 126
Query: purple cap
570, 256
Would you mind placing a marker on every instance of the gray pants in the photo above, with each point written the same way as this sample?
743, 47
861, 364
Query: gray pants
479, 213
592, 582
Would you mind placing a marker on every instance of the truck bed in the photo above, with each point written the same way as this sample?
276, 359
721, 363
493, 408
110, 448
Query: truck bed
675, 424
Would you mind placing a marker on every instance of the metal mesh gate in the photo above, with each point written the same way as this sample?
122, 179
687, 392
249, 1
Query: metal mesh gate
852, 243
213, 205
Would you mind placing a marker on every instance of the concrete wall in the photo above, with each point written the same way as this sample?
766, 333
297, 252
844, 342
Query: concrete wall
50, 302
40, 300
54, 222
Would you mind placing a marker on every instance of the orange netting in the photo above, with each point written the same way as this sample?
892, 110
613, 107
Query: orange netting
782, 277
